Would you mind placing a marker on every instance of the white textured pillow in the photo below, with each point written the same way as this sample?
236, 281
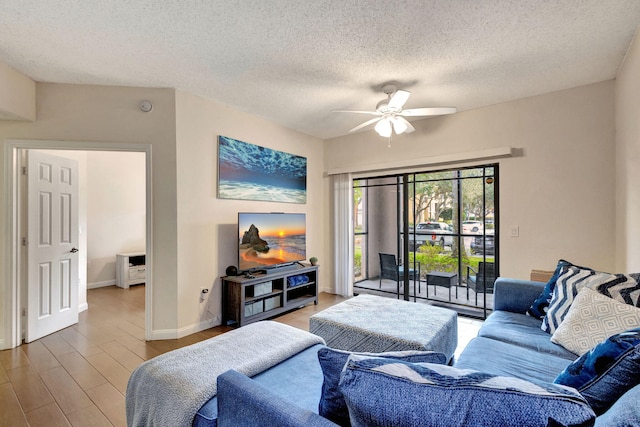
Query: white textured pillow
592, 319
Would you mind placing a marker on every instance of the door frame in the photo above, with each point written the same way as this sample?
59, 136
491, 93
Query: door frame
11, 277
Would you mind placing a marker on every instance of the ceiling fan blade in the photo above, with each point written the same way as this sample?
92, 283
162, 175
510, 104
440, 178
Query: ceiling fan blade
365, 124
373, 113
429, 111
400, 123
398, 99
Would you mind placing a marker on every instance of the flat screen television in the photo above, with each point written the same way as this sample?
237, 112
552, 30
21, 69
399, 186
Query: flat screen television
270, 239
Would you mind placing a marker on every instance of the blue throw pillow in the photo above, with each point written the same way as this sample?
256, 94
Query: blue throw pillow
383, 392
332, 405
607, 371
539, 307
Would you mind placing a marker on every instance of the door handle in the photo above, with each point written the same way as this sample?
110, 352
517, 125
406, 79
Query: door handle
74, 250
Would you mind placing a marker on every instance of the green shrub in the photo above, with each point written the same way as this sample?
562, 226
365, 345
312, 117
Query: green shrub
434, 258
357, 263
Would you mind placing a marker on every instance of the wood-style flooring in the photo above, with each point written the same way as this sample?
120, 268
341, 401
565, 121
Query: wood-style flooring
78, 376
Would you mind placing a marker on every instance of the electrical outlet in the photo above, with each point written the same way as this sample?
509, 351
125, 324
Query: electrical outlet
515, 231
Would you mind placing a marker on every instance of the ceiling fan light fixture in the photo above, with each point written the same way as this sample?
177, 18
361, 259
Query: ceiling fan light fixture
399, 126
383, 127
391, 114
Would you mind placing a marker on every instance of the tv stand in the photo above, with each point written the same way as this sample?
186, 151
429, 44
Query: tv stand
247, 300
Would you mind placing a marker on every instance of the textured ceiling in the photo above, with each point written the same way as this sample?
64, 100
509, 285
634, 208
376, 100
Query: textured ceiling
293, 61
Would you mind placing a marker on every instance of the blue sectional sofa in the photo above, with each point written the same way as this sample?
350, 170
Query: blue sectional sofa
509, 344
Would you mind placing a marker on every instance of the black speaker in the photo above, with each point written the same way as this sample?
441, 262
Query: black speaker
231, 270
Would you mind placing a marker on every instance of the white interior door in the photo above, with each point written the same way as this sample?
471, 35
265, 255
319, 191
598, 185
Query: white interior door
52, 240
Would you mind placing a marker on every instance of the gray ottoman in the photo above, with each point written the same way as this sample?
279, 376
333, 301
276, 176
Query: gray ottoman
375, 324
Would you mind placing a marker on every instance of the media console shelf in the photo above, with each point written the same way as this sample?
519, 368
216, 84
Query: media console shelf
246, 300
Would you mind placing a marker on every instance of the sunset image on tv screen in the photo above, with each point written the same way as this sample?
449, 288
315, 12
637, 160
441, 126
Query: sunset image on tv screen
268, 239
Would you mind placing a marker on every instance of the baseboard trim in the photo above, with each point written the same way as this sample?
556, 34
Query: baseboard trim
174, 334
164, 334
82, 307
103, 284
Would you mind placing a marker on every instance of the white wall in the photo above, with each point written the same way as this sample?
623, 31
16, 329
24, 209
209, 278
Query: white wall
17, 95
193, 232
628, 161
116, 211
106, 116
207, 241
559, 190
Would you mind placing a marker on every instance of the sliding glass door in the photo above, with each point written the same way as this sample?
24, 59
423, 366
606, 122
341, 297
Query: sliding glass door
439, 228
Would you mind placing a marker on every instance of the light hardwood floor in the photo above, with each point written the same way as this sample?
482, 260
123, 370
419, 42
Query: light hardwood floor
78, 376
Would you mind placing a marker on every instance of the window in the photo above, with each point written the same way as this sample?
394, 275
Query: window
360, 270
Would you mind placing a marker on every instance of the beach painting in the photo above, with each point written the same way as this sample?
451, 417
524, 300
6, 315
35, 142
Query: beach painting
250, 172
267, 239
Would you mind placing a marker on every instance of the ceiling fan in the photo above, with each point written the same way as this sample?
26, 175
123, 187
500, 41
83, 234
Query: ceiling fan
391, 116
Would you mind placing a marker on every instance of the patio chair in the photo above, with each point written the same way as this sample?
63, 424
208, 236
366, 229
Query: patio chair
481, 281
389, 269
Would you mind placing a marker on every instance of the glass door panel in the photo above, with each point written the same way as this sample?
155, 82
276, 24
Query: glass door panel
441, 228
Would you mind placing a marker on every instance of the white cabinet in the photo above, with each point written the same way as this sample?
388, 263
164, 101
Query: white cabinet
130, 269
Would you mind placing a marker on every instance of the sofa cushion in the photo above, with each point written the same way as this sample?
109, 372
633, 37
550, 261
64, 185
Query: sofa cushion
606, 372
539, 307
332, 361
625, 411
523, 331
384, 392
623, 288
500, 358
593, 318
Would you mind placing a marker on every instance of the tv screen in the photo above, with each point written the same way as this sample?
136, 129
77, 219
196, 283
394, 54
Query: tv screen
270, 239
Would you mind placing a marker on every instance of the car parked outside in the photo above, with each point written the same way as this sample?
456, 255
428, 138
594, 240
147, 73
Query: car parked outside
472, 227
431, 233
489, 245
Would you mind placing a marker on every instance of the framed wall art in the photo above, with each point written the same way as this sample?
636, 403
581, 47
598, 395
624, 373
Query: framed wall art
251, 172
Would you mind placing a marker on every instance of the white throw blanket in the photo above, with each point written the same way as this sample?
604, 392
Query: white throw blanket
169, 389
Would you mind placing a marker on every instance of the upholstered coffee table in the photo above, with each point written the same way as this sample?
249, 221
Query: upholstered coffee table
375, 324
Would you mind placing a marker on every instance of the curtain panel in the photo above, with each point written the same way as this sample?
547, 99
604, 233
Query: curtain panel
343, 233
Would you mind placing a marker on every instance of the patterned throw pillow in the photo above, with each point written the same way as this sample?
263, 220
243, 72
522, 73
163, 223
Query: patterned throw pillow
539, 307
572, 278
593, 318
332, 405
625, 289
606, 372
383, 392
